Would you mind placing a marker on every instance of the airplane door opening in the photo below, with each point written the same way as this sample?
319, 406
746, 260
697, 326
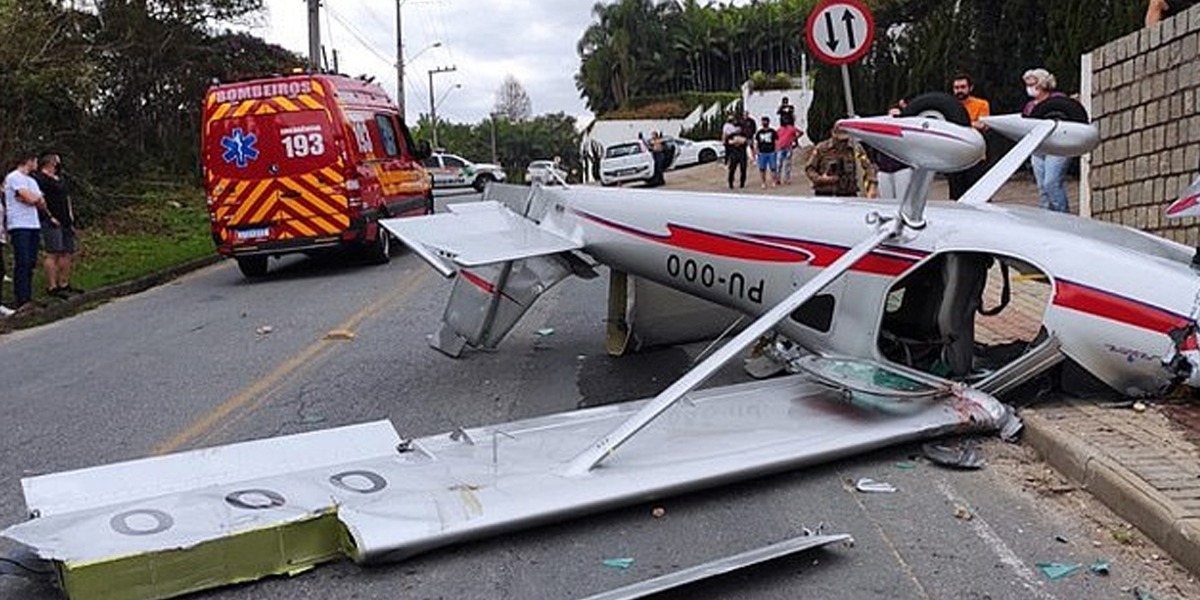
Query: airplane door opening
964, 315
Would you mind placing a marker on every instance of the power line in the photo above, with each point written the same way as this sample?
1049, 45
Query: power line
358, 36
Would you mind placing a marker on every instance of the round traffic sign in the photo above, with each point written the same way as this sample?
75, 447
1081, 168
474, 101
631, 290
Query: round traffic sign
840, 31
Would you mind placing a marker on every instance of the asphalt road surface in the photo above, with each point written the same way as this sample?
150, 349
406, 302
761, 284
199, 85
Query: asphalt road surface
190, 364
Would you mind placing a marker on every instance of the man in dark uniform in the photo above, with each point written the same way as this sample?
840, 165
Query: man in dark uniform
831, 166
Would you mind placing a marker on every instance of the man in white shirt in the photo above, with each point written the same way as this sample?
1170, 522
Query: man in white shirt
22, 202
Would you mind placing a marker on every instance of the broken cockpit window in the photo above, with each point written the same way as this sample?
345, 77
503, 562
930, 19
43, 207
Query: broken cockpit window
964, 315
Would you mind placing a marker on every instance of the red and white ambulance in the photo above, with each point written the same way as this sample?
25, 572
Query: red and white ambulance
305, 163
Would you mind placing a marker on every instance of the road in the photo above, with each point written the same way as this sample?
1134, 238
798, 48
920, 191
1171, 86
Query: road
191, 364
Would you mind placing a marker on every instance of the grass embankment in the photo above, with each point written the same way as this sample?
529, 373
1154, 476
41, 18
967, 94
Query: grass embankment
156, 230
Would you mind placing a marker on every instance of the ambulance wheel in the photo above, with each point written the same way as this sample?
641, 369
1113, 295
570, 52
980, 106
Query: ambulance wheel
937, 105
1060, 108
252, 266
380, 251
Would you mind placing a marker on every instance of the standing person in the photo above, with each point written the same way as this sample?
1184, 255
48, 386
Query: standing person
58, 227
963, 88
893, 175
1049, 171
736, 147
786, 112
1157, 10
831, 166
765, 141
659, 151
789, 137
4, 310
23, 201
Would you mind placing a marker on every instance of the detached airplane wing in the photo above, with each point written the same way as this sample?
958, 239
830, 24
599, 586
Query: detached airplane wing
504, 261
475, 234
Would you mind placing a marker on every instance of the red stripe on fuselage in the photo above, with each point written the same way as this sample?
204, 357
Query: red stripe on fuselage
688, 238
1108, 305
766, 248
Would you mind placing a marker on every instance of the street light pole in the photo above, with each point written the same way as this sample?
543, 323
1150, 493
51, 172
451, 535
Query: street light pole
400, 59
432, 106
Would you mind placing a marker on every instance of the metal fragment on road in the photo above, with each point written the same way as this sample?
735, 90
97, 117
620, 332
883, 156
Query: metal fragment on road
961, 454
867, 485
721, 566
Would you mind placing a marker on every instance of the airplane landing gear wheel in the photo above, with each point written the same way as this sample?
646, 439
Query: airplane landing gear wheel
1060, 108
937, 105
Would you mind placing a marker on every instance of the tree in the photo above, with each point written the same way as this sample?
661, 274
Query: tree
511, 100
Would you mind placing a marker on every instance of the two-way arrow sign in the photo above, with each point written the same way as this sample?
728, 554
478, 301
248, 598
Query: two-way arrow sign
848, 32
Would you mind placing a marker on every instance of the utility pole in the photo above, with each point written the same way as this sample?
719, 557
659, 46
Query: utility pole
432, 106
314, 36
494, 161
400, 60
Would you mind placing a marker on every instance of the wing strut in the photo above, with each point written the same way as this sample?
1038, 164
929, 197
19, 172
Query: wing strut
604, 447
990, 183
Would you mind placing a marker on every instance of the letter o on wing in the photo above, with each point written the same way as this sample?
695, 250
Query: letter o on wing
347, 480
253, 499
162, 522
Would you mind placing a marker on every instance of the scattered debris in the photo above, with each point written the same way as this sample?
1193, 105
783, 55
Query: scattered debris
871, 486
340, 334
657, 512
545, 331
174, 204
1142, 593
1100, 567
906, 464
961, 454
1123, 536
1117, 404
1057, 570
264, 330
618, 563
1139, 407
1061, 539
963, 513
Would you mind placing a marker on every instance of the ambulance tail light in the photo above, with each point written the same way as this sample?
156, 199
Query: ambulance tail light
352, 190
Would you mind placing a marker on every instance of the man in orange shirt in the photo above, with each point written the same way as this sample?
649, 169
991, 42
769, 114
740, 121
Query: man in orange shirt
963, 87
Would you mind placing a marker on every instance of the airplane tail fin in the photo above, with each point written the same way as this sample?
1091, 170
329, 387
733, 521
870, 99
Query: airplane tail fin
1188, 204
503, 259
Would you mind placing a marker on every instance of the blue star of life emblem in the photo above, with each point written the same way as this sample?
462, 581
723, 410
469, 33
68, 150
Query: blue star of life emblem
239, 148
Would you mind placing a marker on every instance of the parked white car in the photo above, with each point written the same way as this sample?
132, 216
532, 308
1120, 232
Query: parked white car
449, 170
625, 162
544, 172
688, 152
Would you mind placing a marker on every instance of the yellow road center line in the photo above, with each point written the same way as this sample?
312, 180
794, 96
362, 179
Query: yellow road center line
224, 414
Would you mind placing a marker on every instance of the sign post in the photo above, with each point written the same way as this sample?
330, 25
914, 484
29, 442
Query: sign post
840, 32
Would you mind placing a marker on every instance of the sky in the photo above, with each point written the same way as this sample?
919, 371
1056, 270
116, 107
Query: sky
532, 40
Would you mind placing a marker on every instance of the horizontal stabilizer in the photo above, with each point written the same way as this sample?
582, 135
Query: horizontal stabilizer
1067, 139
921, 142
475, 234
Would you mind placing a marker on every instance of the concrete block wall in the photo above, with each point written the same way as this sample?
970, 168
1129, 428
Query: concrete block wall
1145, 90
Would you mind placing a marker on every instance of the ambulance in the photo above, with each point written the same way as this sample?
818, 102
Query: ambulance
307, 163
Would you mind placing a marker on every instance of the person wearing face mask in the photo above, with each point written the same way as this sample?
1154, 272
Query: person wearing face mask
963, 89
1049, 171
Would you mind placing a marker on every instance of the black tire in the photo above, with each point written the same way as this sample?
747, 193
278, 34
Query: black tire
482, 181
252, 266
707, 155
379, 252
937, 105
1060, 108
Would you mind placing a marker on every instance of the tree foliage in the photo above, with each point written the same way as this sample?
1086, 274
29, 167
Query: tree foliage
512, 102
116, 86
636, 48
517, 142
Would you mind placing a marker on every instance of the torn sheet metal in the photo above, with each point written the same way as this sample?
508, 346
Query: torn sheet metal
721, 566
274, 500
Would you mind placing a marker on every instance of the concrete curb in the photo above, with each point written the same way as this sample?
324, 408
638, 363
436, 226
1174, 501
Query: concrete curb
76, 304
1157, 516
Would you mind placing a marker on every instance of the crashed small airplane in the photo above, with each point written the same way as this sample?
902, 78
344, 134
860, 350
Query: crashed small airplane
875, 309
